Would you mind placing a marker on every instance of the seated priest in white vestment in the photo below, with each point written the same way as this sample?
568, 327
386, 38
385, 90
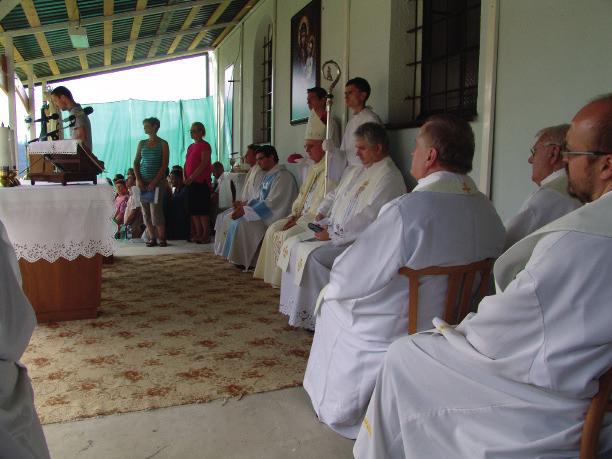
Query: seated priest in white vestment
551, 200
249, 191
356, 93
21, 435
515, 379
250, 221
303, 210
307, 258
444, 221
316, 100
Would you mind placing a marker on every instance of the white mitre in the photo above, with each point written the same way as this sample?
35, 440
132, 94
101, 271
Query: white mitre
315, 129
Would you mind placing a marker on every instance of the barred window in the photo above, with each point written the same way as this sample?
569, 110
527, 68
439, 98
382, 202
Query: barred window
443, 62
266, 94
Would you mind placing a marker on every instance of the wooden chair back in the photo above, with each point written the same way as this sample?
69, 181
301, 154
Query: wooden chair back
460, 295
600, 404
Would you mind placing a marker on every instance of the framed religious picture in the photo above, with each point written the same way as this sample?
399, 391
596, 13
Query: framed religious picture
305, 58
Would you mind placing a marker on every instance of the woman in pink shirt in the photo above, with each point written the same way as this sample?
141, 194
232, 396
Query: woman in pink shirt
197, 178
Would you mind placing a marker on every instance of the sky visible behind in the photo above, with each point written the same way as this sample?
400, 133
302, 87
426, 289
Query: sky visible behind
180, 79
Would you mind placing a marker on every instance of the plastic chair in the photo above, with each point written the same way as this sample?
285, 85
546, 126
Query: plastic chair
460, 295
600, 404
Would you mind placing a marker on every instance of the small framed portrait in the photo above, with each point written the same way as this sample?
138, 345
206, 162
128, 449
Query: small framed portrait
305, 58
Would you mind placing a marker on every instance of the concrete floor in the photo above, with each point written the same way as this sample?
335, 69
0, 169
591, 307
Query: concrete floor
278, 424
137, 247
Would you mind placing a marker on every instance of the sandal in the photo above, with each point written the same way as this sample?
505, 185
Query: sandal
151, 243
163, 243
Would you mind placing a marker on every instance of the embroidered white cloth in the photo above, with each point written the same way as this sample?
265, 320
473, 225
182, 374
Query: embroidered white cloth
55, 147
49, 221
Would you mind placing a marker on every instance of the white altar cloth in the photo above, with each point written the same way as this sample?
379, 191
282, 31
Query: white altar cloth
49, 221
225, 193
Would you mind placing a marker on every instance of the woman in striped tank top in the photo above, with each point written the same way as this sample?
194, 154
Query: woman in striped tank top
150, 167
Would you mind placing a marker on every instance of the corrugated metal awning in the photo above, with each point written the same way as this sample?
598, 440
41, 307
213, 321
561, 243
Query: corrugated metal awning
121, 33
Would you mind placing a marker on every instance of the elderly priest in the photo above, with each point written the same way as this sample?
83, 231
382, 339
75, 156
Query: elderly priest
307, 257
249, 191
304, 207
20, 432
551, 200
445, 221
250, 221
515, 380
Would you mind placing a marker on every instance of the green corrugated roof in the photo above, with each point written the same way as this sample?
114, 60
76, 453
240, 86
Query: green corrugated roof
53, 13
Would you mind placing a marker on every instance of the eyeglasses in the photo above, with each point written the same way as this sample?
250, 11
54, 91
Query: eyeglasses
585, 153
535, 147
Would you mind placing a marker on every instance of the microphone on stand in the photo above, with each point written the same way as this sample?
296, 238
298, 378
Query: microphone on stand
43, 119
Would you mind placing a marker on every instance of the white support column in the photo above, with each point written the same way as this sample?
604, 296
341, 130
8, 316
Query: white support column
490, 86
10, 92
31, 101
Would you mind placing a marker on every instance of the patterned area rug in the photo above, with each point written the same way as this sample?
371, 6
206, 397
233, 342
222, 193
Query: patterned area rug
172, 330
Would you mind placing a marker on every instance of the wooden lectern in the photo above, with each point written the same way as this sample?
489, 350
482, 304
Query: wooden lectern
62, 161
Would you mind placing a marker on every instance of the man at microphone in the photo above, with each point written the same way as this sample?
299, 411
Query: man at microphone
81, 128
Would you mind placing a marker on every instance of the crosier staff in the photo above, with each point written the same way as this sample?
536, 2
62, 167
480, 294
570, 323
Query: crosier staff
331, 72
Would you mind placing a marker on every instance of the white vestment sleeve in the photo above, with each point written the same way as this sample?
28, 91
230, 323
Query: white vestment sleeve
17, 320
327, 202
519, 226
380, 250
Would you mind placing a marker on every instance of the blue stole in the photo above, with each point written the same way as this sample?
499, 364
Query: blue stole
258, 205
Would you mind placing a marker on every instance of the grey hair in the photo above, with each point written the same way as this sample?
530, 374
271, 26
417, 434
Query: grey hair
553, 134
374, 134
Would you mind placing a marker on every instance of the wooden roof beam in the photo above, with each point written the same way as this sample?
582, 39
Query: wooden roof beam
163, 26
102, 19
73, 14
6, 6
141, 5
188, 20
32, 16
211, 20
123, 44
16, 54
109, 9
245, 9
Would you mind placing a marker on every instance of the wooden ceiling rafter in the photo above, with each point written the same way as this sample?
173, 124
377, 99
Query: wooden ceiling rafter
115, 17
32, 17
109, 9
141, 5
162, 28
72, 8
186, 24
38, 32
19, 60
122, 44
213, 18
6, 6
245, 9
